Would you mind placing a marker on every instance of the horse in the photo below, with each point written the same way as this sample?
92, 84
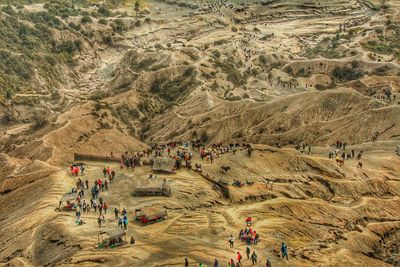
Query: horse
340, 162
198, 167
225, 169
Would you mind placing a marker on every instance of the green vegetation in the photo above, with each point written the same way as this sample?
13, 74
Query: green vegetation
343, 74
327, 48
234, 75
388, 44
119, 26
174, 90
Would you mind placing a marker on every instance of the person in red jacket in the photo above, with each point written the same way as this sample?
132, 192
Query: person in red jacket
239, 257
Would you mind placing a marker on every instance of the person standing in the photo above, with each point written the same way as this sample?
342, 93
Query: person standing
268, 264
116, 212
186, 262
254, 258
105, 207
125, 221
78, 214
216, 264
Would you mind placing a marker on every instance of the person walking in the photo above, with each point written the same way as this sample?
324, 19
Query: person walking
239, 257
284, 251
231, 241
186, 262
254, 258
248, 252
216, 264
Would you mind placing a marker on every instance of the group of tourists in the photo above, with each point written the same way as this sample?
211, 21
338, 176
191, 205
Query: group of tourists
97, 204
122, 217
341, 155
76, 169
303, 148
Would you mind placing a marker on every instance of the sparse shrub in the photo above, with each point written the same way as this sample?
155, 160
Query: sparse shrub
103, 21
216, 53
344, 74
86, 19
104, 11
108, 40
204, 137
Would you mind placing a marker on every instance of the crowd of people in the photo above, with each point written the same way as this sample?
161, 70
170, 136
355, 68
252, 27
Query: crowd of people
183, 151
340, 154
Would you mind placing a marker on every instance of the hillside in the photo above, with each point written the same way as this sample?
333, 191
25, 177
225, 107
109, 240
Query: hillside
112, 77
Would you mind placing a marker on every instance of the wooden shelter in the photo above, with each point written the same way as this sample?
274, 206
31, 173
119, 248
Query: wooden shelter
150, 214
163, 190
164, 165
112, 238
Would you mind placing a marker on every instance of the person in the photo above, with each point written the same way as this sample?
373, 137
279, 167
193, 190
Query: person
101, 209
268, 264
359, 165
87, 183
248, 252
132, 240
116, 212
254, 258
99, 220
186, 262
216, 264
231, 241
78, 214
239, 257
108, 171
105, 207
125, 222
284, 251
104, 172
238, 264
119, 222
82, 170
232, 263
359, 155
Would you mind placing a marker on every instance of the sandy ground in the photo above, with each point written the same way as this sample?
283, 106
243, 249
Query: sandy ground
200, 219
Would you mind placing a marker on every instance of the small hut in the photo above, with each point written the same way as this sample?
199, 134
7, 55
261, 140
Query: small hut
112, 238
163, 190
164, 165
150, 214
